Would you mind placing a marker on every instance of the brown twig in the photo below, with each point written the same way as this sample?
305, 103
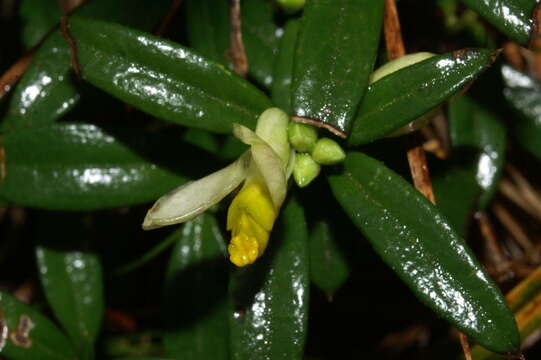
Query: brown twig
64, 28
395, 48
237, 52
516, 231
510, 191
501, 264
14, 73
512, 53
164, 25
529, 194
465, 346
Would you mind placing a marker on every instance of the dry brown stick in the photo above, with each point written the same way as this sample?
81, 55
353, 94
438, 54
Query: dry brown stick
164, 25
499, 260
395, 48
529, 194
510, 191
14, 73
64, 28
512, 53
516, 231
465, 346
237, 52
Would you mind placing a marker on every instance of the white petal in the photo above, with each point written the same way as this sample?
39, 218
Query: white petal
269, 164
191, 199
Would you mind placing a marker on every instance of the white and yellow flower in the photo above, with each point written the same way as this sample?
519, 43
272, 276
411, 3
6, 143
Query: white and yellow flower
264, 169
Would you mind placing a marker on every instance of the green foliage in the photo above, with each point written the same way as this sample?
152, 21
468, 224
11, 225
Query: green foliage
151, 112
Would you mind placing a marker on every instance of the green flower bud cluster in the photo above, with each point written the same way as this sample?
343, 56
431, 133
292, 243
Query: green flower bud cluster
291, 6
312, 152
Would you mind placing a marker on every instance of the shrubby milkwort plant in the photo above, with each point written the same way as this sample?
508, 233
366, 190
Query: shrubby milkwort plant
308, 175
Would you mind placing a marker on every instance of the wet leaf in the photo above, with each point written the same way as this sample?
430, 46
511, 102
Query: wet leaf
408, 93
71, 276
524, 95
26, 334
329, 268
512, 17
473, 126
270, 297
195, 300
164, 79
80, 166
334, 57
37, 17
417, 242
48, 90
283, 68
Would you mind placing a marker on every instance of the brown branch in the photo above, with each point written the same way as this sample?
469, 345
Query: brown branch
164, 25
465, 346
510, 191
14, 73
501, 264
64, 29
237, 52
395, 48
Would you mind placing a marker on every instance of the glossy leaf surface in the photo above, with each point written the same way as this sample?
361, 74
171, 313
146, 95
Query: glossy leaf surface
524, 95
270, 297
48, 88
283, 68
472, 126
456, 190
71, 276
209, 29
26, 334
417, 242
37, 17
512, 17
164, 79
406, 94
334, 57
195, 293
329, 268
82, 166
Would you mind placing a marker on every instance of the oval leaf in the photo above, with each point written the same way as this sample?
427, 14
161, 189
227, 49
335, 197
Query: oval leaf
512, 17
471, 125
334, 57
163, 78
408, 93
416, 241
329, 268
47, 89
26, 334
283, 68
270, 297
82, 166
71, 277
195, 300
524, 94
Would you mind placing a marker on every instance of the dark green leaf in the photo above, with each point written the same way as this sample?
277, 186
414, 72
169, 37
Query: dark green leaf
143, 358
472, 126
71, 277
26, 334
47, 90
513, 17
260, 37
208, 32
406, 94
336, 50
416, 241
82, 166
329, 268
456, 189
207, 24
37, 18
524, 94
283, 68
270, 297
196, 306
163, 78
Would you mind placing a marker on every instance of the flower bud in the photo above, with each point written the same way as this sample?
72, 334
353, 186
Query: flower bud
305, 170
328, 152
272, 127
302, 137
